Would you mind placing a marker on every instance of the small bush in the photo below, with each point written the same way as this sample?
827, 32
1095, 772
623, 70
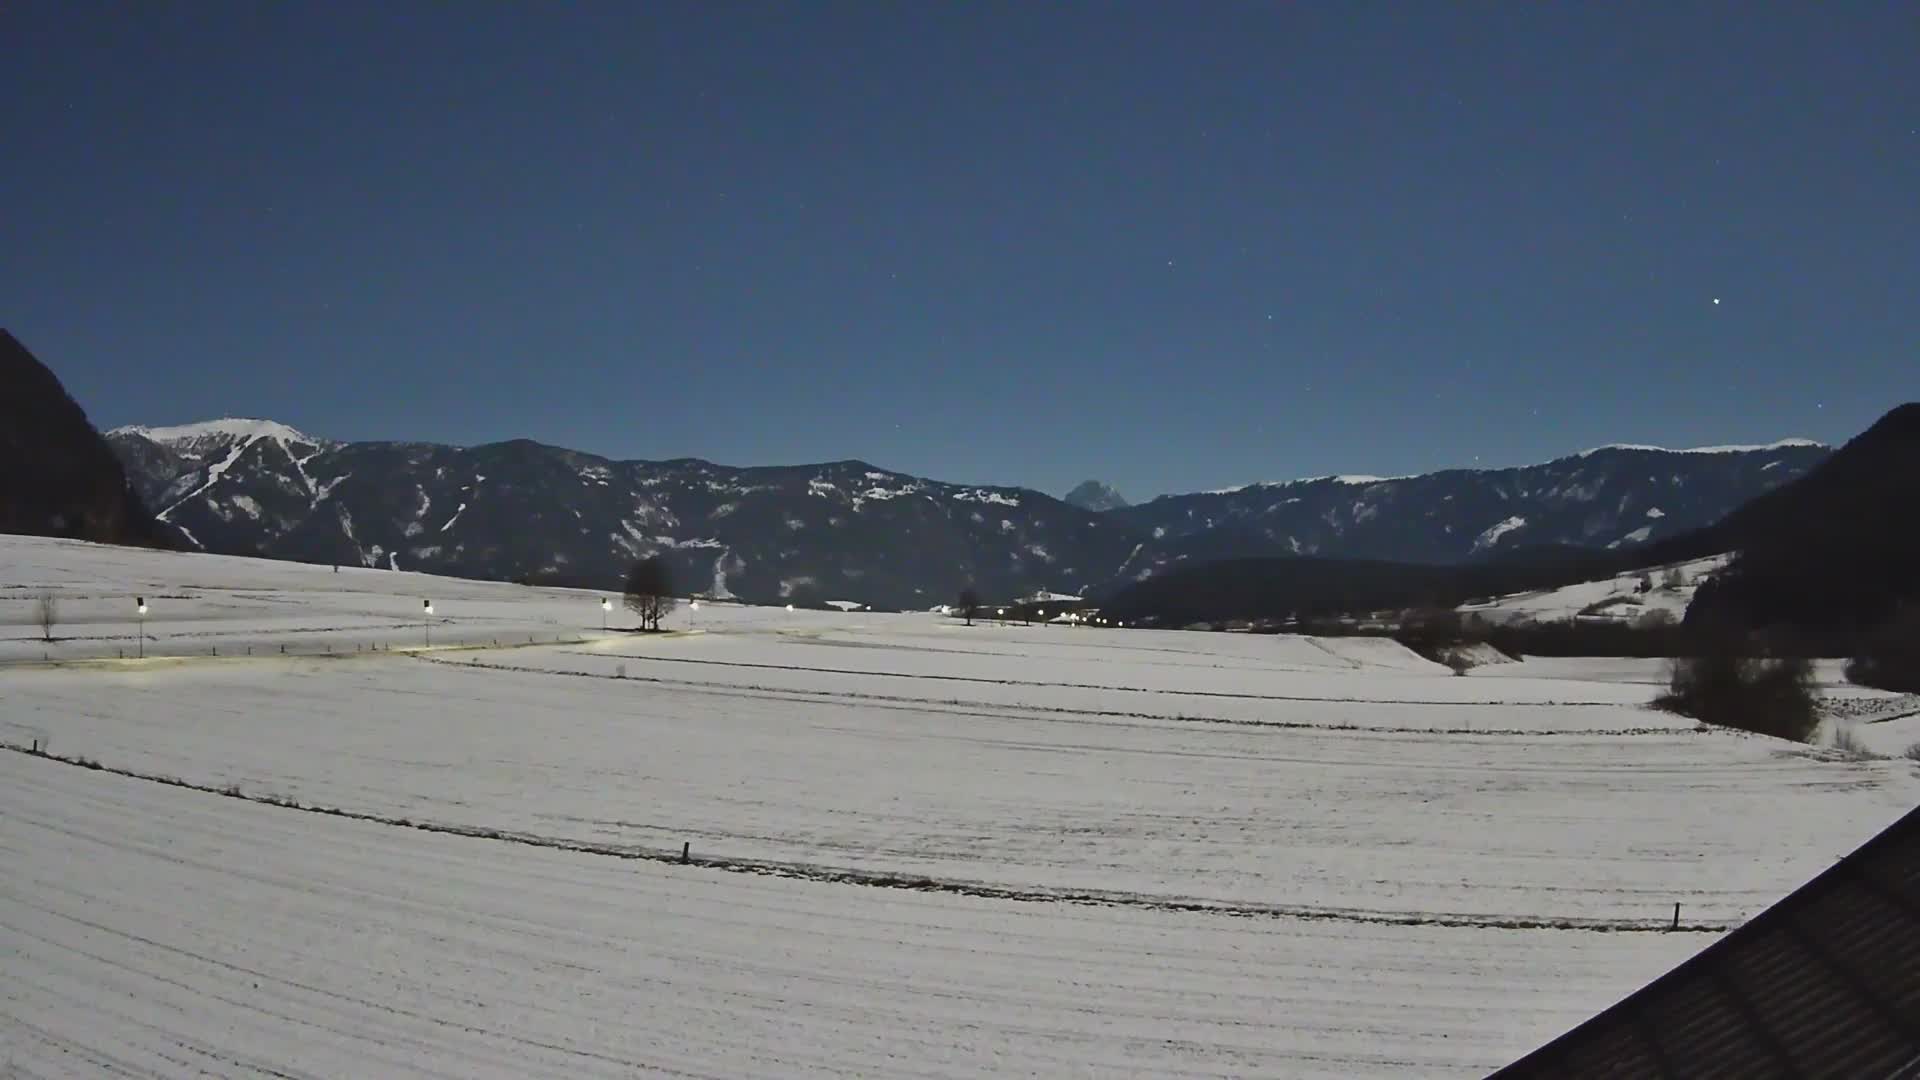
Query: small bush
1766, 697
1913, 752
1847, 741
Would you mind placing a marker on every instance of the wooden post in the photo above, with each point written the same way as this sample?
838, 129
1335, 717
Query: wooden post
686, 851
1676, 915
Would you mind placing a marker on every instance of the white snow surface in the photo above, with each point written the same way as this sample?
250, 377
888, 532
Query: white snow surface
1620, 596
1780, 444
1266, 855
1493, 533
235, 428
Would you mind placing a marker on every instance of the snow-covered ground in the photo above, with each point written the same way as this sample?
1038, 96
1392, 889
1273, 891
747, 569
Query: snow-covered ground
921, 848
204, 605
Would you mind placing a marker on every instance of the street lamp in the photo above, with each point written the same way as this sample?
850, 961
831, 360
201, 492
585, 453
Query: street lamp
140, 606
426, 620
606, 605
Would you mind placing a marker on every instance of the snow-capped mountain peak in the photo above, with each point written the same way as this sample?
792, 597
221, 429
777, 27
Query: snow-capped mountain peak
1782, 444
227, 430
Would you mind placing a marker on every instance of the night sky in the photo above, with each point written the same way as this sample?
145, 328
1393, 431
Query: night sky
1171, 246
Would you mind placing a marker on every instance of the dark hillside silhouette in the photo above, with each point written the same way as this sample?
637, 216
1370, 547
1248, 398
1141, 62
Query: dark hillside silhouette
58, 477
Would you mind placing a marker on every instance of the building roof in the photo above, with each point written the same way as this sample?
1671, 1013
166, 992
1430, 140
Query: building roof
1825, 983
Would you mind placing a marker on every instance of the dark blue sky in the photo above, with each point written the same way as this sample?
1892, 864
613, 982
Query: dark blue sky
1173, 246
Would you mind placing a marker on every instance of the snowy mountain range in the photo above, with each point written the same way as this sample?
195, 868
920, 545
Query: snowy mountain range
1611, 497
851, 531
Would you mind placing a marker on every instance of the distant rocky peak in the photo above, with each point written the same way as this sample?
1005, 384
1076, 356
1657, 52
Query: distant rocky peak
1096, 496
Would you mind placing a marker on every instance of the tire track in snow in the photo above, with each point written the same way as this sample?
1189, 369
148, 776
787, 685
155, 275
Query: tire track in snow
997, 709
815, 872
1235, 694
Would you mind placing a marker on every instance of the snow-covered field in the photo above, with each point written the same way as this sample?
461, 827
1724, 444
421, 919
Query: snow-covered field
919, 848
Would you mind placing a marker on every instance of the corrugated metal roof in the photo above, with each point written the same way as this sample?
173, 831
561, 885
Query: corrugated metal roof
1825, 983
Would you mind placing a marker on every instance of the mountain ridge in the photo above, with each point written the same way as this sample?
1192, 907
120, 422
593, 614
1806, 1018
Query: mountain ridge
850, 530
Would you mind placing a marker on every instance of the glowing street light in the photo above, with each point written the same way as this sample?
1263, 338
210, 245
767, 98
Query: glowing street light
789, 607
426, 620
140, 607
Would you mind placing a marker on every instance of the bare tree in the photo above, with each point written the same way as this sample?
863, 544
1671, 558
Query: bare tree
649, 591
969, 603
46, 611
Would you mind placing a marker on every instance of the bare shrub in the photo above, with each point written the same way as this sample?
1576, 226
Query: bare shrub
1913, 752
46, 612
1846, 740
1766, 697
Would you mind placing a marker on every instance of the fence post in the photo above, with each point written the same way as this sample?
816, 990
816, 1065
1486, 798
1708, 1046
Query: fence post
1676, 915
686, 851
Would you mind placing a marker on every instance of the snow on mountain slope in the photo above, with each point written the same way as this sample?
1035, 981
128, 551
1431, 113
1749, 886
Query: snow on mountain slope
1609, 497
850, 531
1780, 444
1615, 599
227, 430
